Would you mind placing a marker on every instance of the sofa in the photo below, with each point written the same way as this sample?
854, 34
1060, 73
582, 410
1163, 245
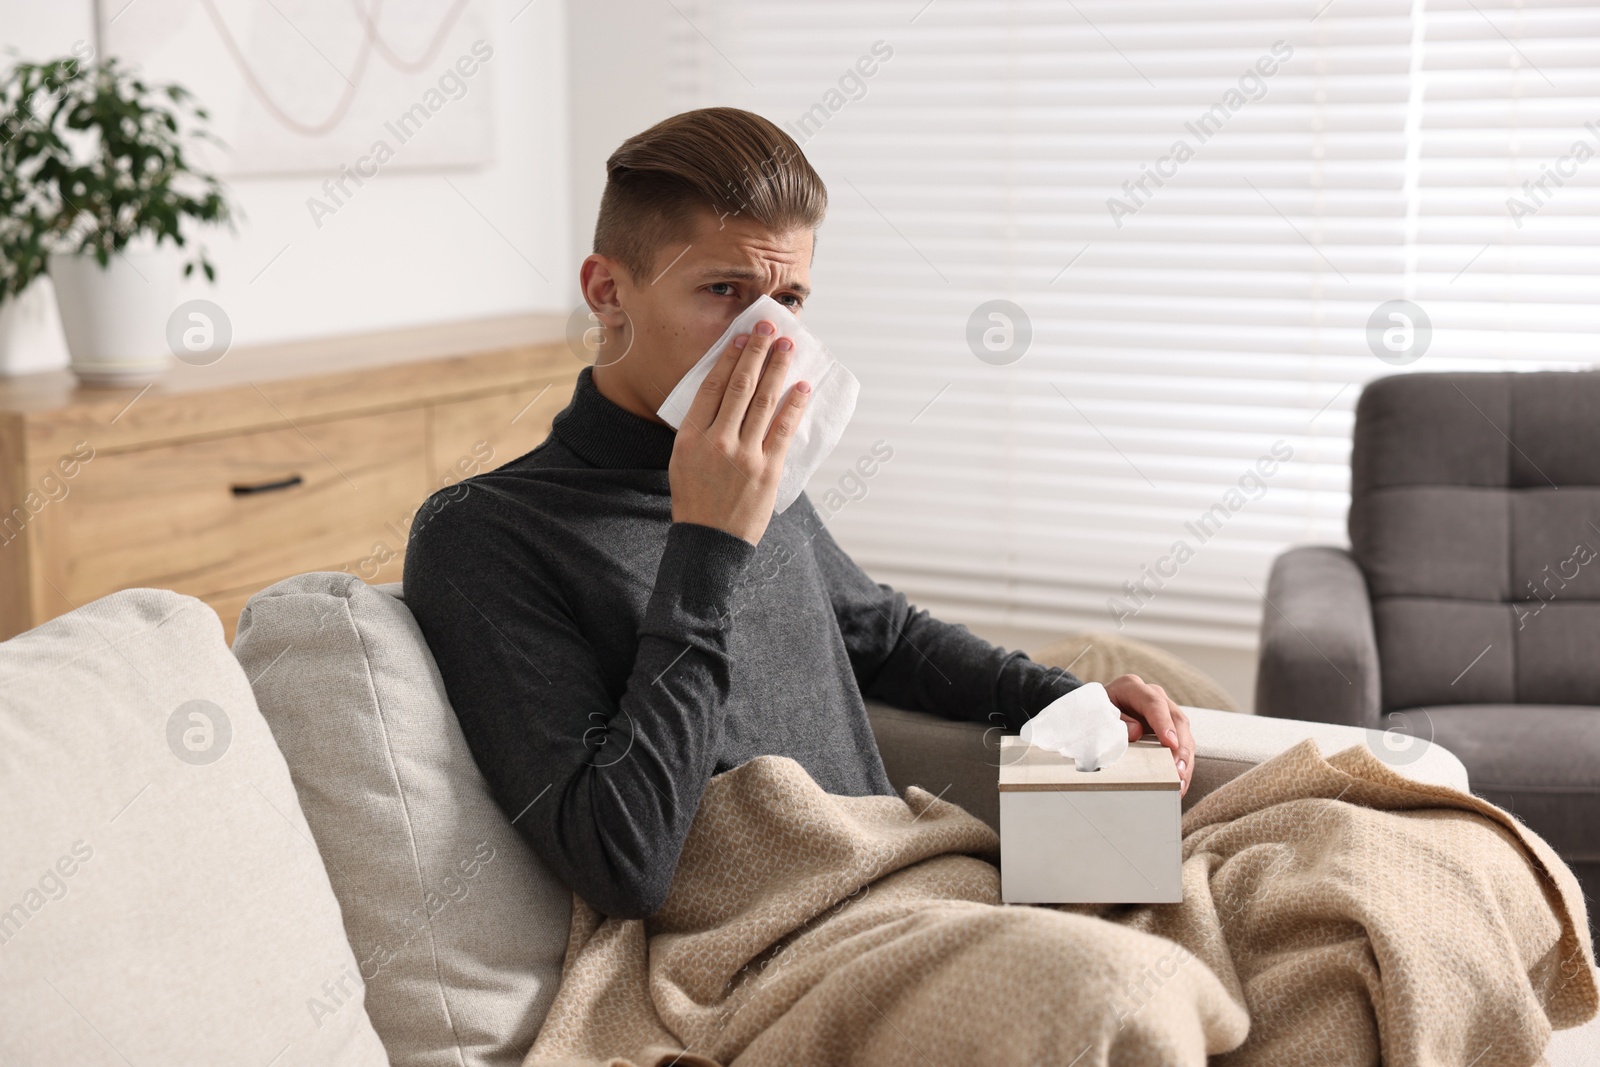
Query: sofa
1466, 610
282, 854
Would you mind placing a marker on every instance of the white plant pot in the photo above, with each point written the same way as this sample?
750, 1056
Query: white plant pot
115, 317
30, 331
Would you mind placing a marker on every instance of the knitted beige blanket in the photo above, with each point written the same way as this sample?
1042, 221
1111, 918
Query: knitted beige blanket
1335, 913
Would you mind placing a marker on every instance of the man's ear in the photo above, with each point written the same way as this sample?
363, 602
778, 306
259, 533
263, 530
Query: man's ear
603, 282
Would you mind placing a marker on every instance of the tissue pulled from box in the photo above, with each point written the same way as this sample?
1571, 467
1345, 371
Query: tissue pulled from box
833, 393
1083, 725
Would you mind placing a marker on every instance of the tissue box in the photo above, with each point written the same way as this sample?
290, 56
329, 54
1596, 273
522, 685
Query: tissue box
1111, 836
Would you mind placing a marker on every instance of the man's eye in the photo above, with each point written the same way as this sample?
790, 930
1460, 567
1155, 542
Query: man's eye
791, 296
721, 285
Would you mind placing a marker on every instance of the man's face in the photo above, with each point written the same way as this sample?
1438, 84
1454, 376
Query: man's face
669, 319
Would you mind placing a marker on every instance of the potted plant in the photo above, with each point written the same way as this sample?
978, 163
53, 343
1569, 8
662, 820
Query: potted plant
95, 189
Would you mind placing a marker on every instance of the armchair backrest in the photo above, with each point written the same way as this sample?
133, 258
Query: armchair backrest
1475, 516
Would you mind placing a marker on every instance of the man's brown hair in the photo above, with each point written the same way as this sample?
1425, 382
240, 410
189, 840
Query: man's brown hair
733, 162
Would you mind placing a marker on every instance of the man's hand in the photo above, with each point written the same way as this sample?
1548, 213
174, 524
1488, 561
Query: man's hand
730, 449
1147, 709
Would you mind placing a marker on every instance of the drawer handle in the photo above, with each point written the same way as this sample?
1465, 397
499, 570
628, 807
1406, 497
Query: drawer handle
267, 487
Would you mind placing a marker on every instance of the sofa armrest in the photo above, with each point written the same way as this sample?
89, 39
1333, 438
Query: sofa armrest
959, 760
1319, 654
1228, 743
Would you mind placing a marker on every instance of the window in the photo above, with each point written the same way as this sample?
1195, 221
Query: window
1198, 215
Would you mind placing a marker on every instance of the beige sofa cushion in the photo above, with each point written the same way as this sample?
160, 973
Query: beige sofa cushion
161, 901
1100, 656
459, 928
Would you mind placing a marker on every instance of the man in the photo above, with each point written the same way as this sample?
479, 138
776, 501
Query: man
618, 615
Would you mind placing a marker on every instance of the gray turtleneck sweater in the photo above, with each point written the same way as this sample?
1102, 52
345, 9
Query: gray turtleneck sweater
604, 661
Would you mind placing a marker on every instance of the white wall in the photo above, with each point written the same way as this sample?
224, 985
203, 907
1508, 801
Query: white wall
618, 57
408, 249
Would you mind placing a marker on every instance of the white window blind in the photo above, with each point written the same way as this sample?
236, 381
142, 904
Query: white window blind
1334, 157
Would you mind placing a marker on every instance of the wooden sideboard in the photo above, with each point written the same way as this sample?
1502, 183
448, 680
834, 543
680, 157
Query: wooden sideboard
217, 481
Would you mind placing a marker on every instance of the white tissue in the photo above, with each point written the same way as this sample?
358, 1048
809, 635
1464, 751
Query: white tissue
833, 393
1083, 725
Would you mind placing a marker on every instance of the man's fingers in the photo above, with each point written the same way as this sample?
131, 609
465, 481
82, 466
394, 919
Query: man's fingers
1164, 719
1160, 717
742, 381
708, 398
723, 473
1185, 749
769, 393
784, 424
1151, 704
1180, 739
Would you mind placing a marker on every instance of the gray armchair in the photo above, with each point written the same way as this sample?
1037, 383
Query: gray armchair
1467, 609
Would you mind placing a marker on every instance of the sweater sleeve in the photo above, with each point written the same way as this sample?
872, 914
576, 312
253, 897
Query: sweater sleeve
906, 657
602, 787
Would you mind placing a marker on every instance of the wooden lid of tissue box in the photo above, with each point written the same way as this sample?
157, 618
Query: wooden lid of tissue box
1146, 765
